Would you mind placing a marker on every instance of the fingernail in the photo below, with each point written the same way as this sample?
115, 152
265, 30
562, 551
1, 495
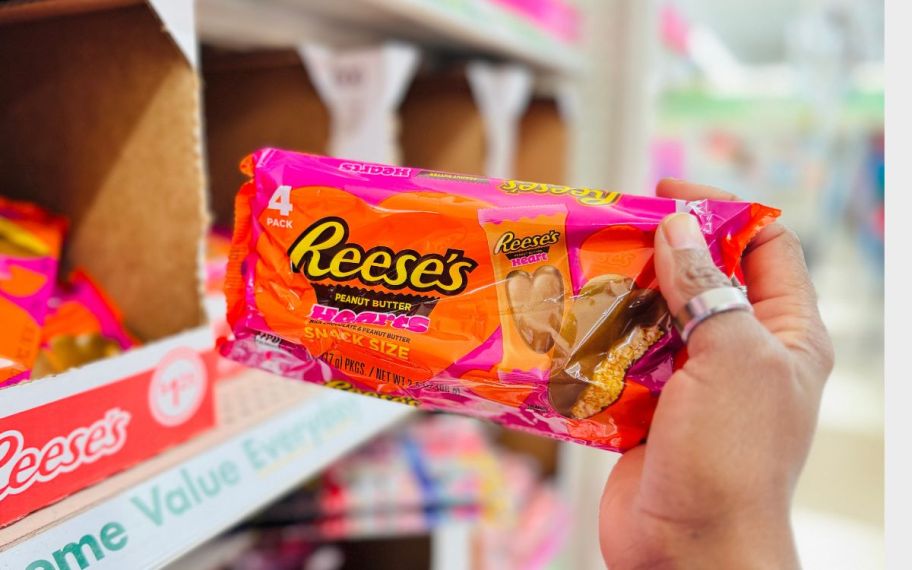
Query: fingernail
683, 232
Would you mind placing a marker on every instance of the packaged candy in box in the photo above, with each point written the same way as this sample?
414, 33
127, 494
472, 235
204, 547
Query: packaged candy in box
82, 325
30, 242
533, 305
218, 244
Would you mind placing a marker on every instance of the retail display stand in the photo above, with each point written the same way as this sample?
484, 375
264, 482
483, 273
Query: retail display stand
502, 94
272, 434
79, 134
465, 26
104, 127
362, 88
442, 127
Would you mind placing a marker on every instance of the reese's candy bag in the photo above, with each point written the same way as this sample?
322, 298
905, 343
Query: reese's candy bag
534, 305
82, 325
30, 241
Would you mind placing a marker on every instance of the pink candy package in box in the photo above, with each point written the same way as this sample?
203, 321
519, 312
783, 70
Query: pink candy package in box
534, 305
30, 243
82, 325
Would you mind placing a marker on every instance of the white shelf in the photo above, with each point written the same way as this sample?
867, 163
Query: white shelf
465, 26
272, 435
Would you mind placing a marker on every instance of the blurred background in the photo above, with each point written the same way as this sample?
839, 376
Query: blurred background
778, 101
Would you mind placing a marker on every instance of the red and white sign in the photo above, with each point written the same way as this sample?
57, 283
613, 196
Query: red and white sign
177, 387
52, 450
22, 465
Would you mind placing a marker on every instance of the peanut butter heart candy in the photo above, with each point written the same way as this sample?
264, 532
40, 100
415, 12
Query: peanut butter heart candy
529, 257
537, 305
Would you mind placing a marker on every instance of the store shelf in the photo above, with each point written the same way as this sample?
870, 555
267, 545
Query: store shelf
477, 27
272, 434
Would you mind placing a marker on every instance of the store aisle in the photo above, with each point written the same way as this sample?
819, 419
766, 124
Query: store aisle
841, 491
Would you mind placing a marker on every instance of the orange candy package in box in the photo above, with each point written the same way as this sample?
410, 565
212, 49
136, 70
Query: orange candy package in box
82, 325
30, 243
533, 305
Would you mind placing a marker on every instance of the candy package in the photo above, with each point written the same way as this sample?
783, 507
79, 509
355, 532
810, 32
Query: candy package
530, 304
30, 242
218, 245
82, 325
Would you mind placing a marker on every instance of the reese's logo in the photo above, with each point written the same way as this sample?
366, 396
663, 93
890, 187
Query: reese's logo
322, 251
585, 196
509, 244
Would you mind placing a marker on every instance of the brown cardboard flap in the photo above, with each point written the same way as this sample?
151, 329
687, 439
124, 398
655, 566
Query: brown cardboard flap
542, 146
25, 10
255, 100
442, 129
101, 124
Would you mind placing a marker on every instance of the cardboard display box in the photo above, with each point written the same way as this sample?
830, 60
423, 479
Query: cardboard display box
442, 128
101, 124
543, 144
252, 100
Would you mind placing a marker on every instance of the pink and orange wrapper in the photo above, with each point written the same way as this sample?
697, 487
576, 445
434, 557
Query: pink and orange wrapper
533, 305
30, 243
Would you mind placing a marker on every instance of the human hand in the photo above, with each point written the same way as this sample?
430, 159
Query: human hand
712, 487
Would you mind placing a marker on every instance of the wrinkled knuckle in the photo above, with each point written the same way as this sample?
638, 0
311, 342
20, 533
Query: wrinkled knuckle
696, 273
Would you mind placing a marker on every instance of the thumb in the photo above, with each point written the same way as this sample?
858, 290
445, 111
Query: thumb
685, 268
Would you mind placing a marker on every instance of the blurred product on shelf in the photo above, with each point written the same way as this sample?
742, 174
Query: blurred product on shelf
218, 245
30, 244
51, 326
546, 319
557, 17
82, 325
536, 528
869, 202
793, 132
275, 549
436, 471
773, 149
668, 156
433, 471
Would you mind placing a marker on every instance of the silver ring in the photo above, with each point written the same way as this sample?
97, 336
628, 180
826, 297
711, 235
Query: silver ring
707, 304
